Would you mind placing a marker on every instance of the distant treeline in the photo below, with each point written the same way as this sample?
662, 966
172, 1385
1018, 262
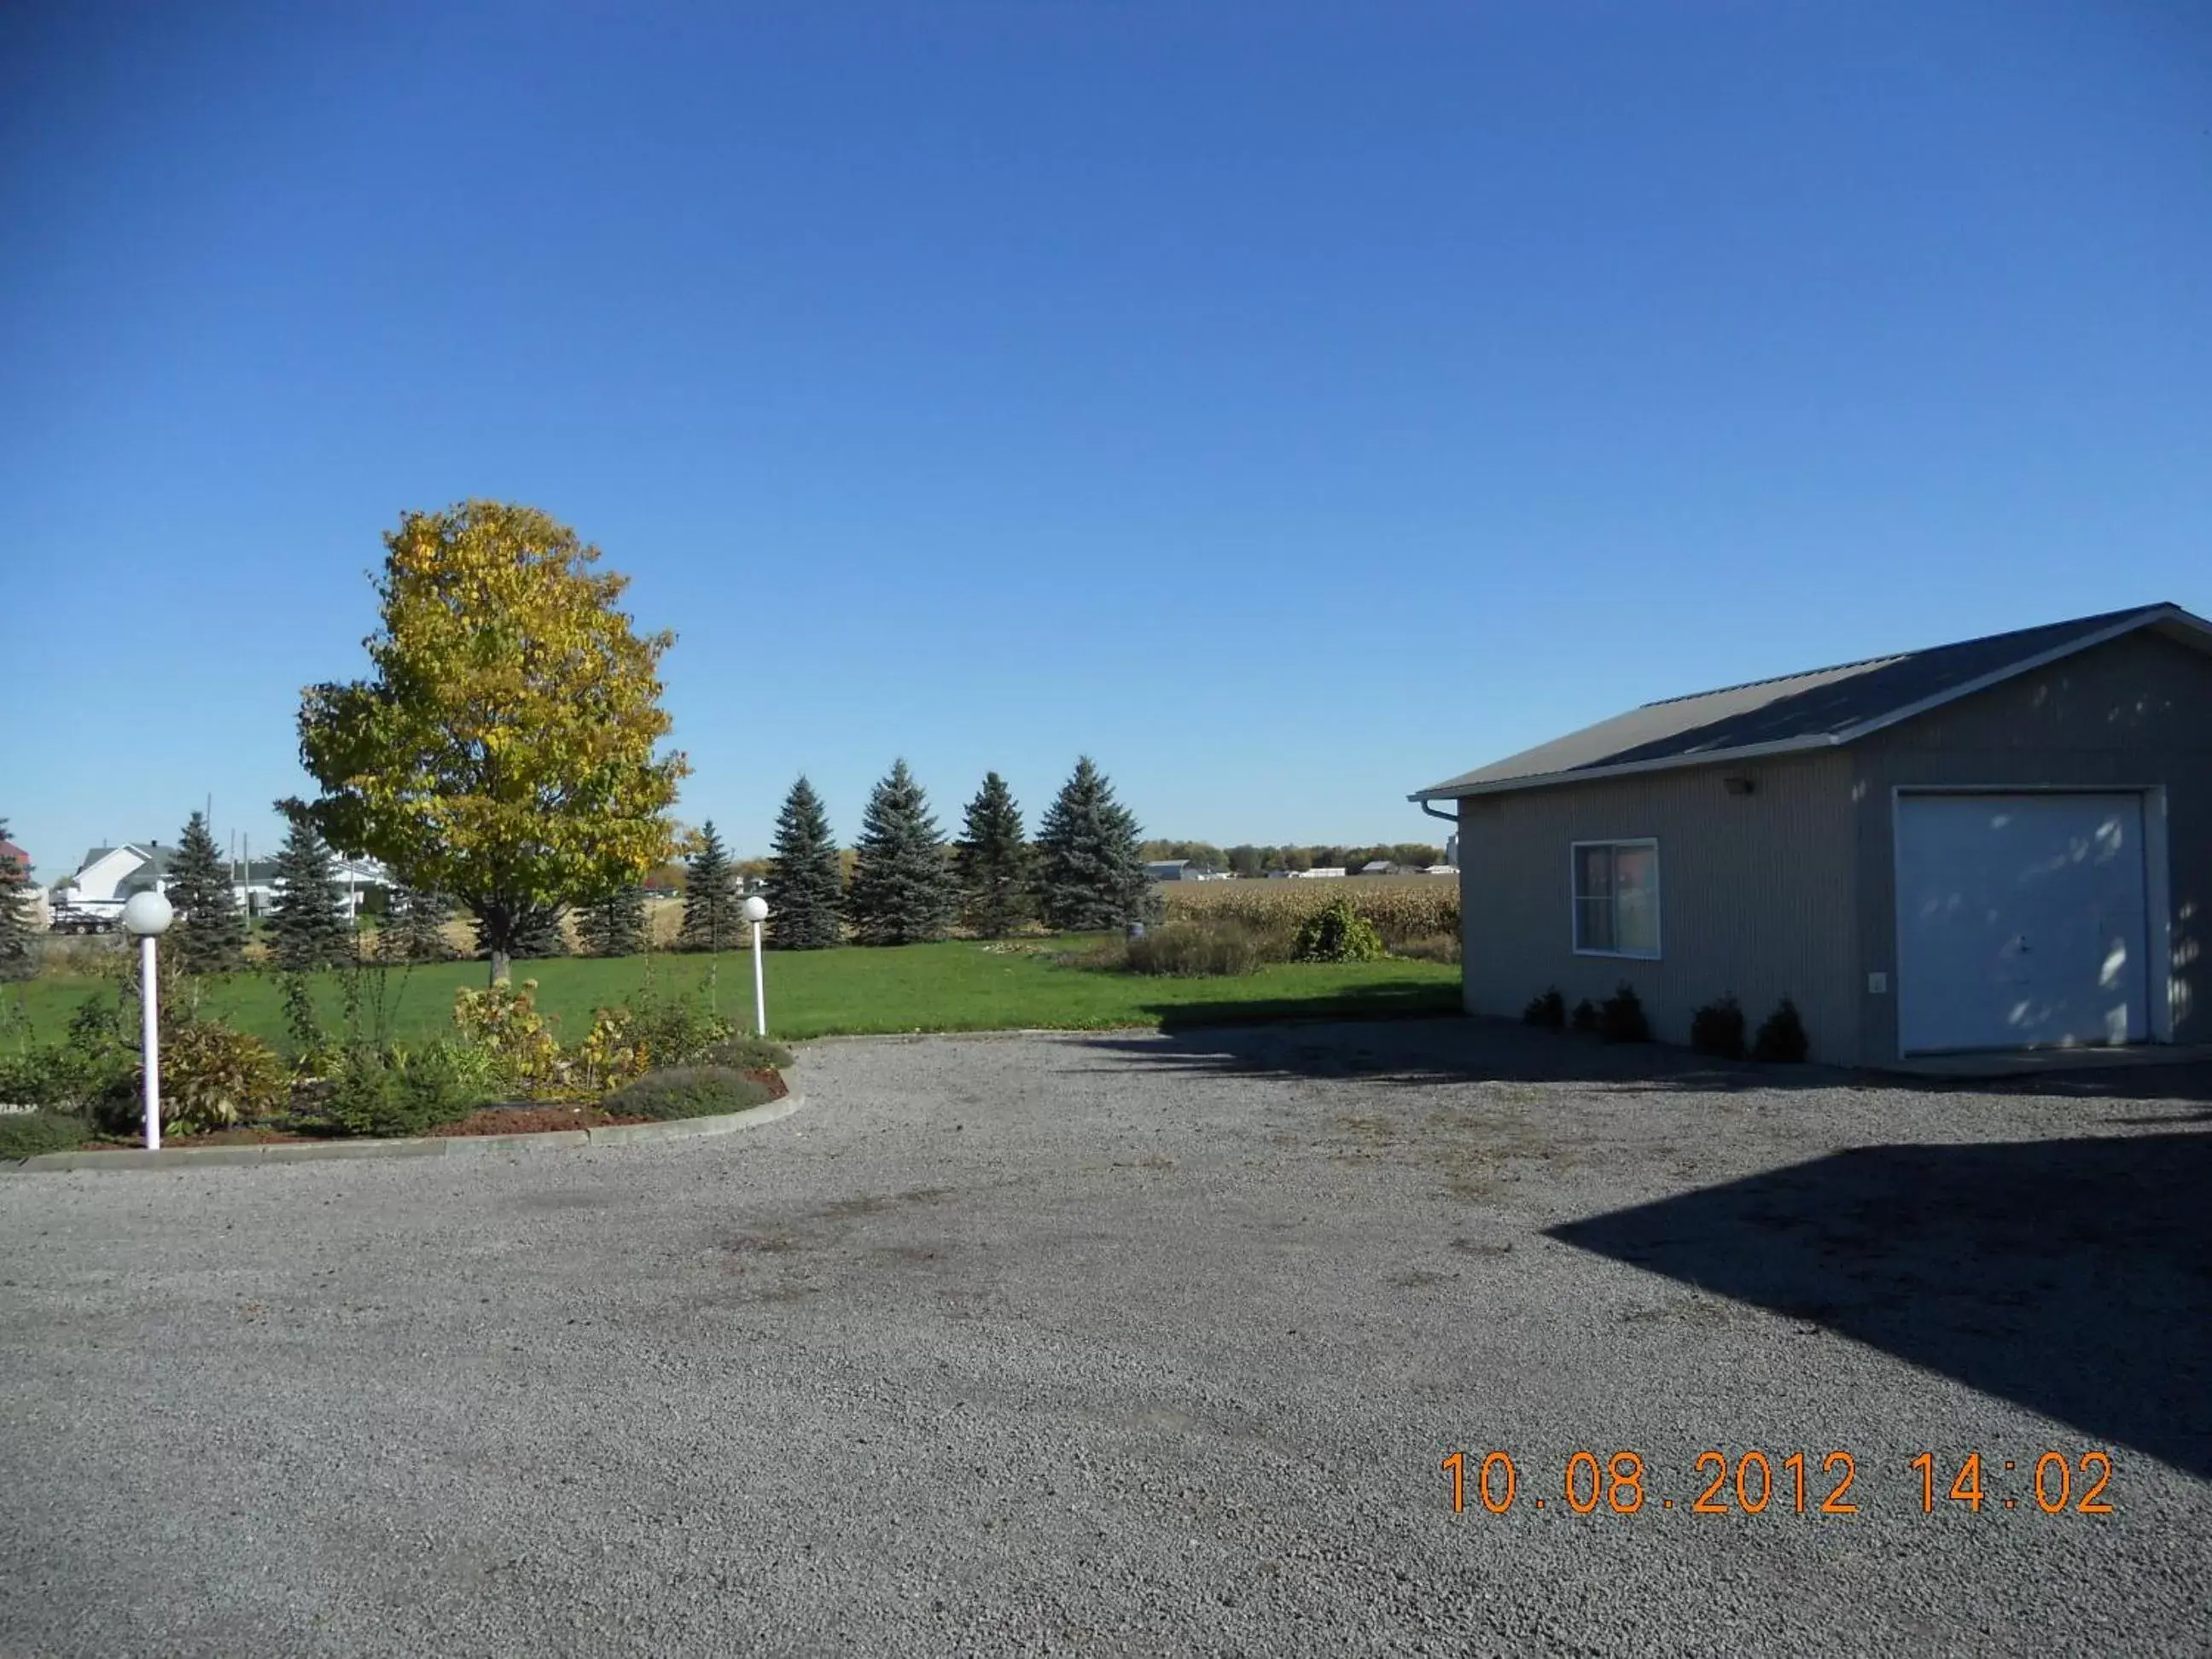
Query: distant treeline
1248, 860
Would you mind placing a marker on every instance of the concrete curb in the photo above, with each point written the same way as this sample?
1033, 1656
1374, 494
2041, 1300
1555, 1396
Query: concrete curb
543, 1141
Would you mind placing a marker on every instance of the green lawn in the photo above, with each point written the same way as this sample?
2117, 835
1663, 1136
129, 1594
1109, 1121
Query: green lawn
957, 987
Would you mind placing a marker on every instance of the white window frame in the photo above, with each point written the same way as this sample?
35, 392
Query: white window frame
1658, 898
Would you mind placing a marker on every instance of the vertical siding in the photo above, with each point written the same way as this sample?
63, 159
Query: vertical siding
2134, 712
1755, 894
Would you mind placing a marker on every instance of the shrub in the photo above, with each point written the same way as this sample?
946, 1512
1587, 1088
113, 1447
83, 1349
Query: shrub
678, 1031
611, 1053
1549, 1010
1781, 1035
391, 1091
26, 1134
1620, 1017
748, 1054
1337, 934
1188, 950
70, 1076
687, 1091
505, 1024
1585, 1016
1717, 1028
213, 1077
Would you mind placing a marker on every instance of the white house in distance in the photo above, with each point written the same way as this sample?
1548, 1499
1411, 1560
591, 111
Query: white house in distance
106, 876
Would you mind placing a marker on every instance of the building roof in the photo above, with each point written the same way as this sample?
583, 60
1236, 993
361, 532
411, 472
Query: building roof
1821, 708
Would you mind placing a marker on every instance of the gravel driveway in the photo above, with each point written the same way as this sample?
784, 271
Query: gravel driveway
1138, 1345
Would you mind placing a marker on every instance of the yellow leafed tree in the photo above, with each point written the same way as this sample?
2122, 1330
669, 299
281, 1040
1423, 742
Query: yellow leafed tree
502, 749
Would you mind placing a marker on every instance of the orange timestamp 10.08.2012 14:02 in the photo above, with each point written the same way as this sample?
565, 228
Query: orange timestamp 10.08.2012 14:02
1756, 1482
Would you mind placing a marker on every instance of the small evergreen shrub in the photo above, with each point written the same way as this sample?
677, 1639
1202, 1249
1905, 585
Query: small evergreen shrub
1548, 1012
391, 1092
1717, 1028
1782, 1036
26, 1134
748, 1054
1585, 1016
687, 1091
1620, 1017
1338, 934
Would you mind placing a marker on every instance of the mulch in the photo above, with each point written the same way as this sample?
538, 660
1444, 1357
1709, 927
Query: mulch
516, 1119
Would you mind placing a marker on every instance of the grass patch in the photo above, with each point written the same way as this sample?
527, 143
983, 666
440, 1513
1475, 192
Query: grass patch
960, 985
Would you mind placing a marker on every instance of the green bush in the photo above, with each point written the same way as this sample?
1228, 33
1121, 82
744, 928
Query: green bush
1338, 934
1717, 1028
748, 1054
393, 1091
26, 1134
69, 1076
1782, 1036
678, 1031
687, 1091
1585, 1016
1620, 1017
1548, 1012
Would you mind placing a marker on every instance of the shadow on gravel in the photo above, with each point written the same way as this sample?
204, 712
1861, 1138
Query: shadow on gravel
1457, 1048
2071, 1277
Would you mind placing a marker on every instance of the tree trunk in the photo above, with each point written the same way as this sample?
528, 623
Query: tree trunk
502, 965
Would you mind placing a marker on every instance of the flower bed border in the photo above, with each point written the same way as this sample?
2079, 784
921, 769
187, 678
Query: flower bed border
169, 1157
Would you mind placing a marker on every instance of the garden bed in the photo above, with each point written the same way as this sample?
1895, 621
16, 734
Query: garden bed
519, 1119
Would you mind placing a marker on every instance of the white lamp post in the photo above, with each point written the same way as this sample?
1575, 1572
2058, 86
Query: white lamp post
755, 910
146, 917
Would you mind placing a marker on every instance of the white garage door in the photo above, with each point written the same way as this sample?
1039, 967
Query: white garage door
2022, 921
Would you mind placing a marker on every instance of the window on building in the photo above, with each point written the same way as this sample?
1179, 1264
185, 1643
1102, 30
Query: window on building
1616, 897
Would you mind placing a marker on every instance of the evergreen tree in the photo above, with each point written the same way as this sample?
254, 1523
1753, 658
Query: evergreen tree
307, 924
540, 935
18, 913
710, 896
807, 876
614, 926
991, 862
1088, 873
903, 890
211, 939
414, 927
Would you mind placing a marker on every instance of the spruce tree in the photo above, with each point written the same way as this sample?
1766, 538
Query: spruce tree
710, 896
18, 917
539, 935
211, 935
307, 924
903, 890
991, 862
1088, 873
806, 876
614, 926
414, 927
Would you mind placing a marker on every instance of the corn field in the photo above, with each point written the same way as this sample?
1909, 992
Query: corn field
1403, 908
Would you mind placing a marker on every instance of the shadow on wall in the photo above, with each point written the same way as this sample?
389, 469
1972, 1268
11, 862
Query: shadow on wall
2070, 1277
1394, 1048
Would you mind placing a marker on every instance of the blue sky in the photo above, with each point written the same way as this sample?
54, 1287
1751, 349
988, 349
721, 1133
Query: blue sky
1289, 405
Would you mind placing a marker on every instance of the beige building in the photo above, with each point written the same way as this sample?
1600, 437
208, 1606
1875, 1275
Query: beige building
1999, 844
